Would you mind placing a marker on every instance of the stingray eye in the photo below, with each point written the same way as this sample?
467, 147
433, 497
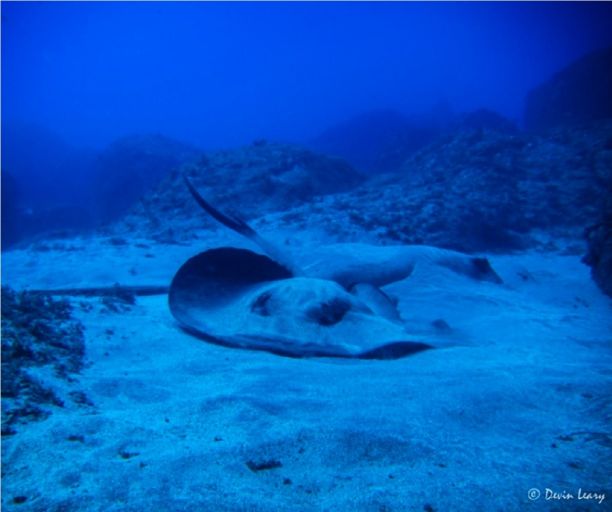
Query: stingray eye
482, 269
260, 304
481, 265
329, 312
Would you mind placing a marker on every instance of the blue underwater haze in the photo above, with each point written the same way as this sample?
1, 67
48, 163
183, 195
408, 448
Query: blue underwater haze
78, 76
222, 74
306, 256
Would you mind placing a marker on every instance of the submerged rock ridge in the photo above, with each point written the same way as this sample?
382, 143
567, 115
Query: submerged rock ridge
599, 255
252, 180
479, 190
41, 343
380, 141
579, 93
131, 166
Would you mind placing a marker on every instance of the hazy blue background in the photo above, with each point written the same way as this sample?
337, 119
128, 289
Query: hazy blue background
220, 74
78, 75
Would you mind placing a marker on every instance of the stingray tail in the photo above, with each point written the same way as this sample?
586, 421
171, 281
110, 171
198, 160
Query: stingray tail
232, 222
241, 227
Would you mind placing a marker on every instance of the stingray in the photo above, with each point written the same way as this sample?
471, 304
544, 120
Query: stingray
331, 306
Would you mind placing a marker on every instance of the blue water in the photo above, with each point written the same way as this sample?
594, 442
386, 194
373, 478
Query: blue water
78, 76
393, 293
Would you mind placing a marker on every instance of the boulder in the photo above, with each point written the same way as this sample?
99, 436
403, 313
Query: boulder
379, 141
577, 94
131, 166
599, 256
599, 235
38, 334
249, 181
480, 190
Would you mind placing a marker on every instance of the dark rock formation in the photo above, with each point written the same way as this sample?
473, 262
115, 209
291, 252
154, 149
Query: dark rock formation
44, 183
480, 190
50, 172
577, 94
38, 333
11, 209
132, 166
599, 235
599, 257
251, 181
475, 189
379, 141
484, 119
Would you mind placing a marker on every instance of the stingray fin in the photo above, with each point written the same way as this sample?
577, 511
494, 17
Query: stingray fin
377, 300
234, 223
241, 227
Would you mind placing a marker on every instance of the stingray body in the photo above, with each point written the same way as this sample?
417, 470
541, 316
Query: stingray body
239, 298
349, 264
331, 305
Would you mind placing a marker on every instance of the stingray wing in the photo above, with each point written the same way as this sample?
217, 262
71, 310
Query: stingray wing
238, 298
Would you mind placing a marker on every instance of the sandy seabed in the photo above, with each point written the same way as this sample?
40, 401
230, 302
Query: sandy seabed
517, 397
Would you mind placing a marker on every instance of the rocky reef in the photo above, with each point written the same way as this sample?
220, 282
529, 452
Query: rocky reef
599, 240
484, 186
252, 181
380, 140
42, 347
474, 183
480, 190
569, 104
131, 166
577, 94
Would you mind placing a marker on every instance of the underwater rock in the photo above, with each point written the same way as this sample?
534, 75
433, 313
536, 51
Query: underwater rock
577, 94
379, 141
118, 299
599, 256
441, 325
478, 190
47, 185
262, 465
260, 178
21, 222
131, 166
484, 187
37, 332
599, 234
484, 119
12, 215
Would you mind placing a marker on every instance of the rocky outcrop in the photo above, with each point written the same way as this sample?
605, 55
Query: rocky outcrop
599, 235
579, 93
484, 119
11, 209
475, 189
45, 183
131, 166
479, 190
251, 181
41, 343
379, 141
599, 256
